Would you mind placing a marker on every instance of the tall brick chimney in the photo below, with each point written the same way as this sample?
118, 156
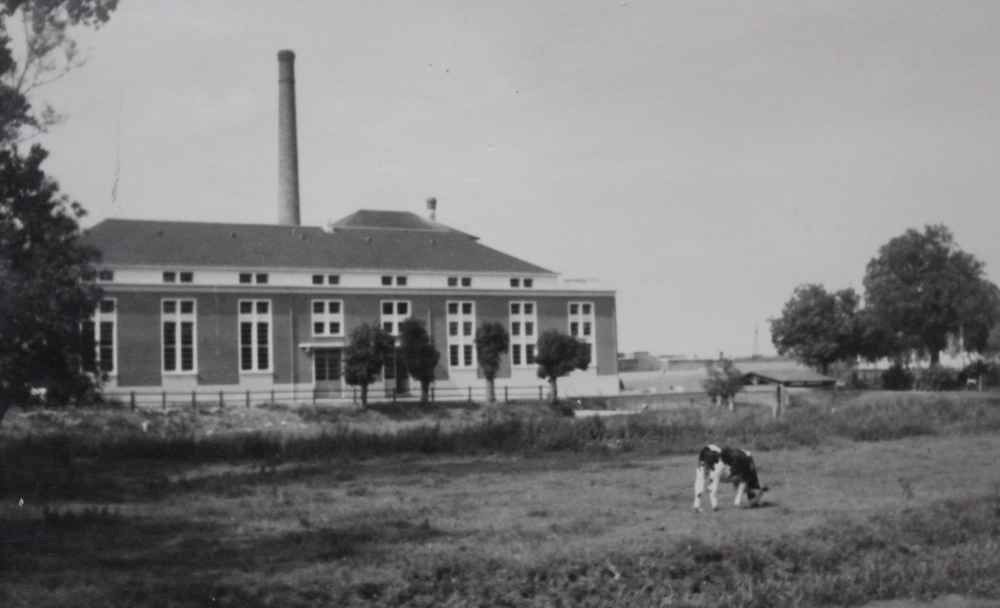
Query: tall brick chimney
288, 147
432, 205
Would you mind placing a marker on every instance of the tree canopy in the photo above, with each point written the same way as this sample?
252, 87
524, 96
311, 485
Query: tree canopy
420, 356
45, 293
492, 342
922, 288
366, 353
817, 327
558, 355
42, 51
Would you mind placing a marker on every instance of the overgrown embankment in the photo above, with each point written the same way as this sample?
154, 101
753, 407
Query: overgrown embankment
311, 433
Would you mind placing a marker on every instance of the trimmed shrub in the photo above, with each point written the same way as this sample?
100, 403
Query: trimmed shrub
937, 378
897, 378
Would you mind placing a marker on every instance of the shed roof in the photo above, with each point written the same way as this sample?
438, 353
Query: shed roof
790, 376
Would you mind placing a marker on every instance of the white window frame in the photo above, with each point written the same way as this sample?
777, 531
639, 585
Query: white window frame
254, 318
394, 317
326, 317
461, 340
106, 317
581, 318
522, 340
177, 319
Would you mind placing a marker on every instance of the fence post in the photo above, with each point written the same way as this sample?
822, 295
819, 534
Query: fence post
222, 400
272, 395
470, 394
432, 393
354, 394
248, 398
314, 395
506, 396
539, 393
131, 399
194, 401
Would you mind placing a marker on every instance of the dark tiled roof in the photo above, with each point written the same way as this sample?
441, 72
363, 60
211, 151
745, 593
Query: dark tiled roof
390, 220
391, 242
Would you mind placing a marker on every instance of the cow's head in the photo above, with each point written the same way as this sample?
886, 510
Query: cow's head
755, 495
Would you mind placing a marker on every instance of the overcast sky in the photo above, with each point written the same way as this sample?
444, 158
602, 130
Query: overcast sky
703, 157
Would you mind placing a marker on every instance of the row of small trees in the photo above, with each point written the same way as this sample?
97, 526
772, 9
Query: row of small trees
371, 348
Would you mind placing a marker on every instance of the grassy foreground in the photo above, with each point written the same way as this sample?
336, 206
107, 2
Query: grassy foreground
558, 513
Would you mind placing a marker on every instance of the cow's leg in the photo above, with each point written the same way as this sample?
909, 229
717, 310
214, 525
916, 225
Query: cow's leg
699, 486
740, 489
713, 485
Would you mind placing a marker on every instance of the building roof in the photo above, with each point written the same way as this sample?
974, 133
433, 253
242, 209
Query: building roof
790, 376
365, 240
369, 219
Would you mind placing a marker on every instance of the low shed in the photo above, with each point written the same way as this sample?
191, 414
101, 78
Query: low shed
789, 377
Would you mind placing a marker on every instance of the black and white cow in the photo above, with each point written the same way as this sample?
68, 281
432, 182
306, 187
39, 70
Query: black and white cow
717, 464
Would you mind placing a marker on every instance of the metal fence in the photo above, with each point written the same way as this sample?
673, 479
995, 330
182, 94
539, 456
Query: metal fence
352, 394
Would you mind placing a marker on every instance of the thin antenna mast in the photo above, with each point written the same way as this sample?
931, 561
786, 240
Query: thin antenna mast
118, 151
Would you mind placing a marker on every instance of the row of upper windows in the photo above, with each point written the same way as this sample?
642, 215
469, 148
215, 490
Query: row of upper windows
179, 331
261, 278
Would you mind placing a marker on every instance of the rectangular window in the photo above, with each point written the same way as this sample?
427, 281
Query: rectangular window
333, 279
386, 280
246, 278
582, 324
394, 312
452, 281
187, 277
106, 276
317, 279
515, 282
169, 276
180, 333
261, 278
255, 335
462, 318
327, 318
99, 335
401, 281
528, 283
466, 281
522, 333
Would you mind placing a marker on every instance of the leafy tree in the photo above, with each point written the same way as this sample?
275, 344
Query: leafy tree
47, 52
559, 354
365, 356
723, 382
492, 342
420, 356
44, 292
921, 288
818, 328
45, 296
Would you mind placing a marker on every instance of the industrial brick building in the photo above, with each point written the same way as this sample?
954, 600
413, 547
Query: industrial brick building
227, 306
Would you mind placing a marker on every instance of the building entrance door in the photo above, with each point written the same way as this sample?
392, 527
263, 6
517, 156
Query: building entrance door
397, 377
326, 372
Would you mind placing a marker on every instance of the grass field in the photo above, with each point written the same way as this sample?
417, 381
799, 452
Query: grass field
606, 522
